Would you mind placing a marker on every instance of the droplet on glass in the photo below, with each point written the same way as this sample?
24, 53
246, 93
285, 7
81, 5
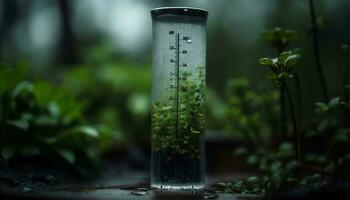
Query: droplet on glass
189, 41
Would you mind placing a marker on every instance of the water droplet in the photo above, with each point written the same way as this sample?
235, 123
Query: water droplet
189, 41
143, 189
138, 192
211, 196
27, 189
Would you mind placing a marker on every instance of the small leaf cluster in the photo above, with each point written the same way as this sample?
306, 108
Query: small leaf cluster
242, 187
40, 120
330, 115
279, 38
333, 126
282, 65
191, 119
278, 168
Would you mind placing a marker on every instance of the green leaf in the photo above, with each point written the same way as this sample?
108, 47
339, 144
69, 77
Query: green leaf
252, 179
241, 151
60, 103
108, 137
20, 124
29, 150
276, 167
286, 148
292, 165
71, 109
279, 37
330, 168
290, 35
344, 47
68, 155
24, 86
45, 120
342, 135
272, 77
138, 104
54, 109
50, 140
266, 61
322, 106
9, 77
282, 57
283, 75
268, 35
292, 60
8, 152
321, 23
252, 160
86, 130
297, 51
334, 102
44, 93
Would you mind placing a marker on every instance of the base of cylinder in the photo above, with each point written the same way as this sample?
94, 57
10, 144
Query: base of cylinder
179, 187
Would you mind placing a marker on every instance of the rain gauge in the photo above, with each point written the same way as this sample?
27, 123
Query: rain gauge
178, 98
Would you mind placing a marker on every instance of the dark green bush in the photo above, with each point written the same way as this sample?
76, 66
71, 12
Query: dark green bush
40, 120
251, 115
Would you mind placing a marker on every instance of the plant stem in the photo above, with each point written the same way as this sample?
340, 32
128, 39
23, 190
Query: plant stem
346, 97
345, 90
282, 101
316, 50
298, 90
283, 120
295, 126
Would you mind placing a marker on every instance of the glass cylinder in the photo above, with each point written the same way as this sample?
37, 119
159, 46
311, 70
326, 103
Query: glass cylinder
178, 98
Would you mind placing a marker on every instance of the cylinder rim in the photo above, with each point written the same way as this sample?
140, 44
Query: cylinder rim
181, 11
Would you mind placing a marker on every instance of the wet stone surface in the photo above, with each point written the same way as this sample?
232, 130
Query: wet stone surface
115, 192
115, 184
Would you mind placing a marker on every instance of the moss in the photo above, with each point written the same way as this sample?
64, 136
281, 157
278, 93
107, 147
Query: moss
191, 118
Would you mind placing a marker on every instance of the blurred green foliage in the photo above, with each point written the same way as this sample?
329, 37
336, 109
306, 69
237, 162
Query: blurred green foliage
333, 125
94, 106
116, 95
40, 120
280, 168
251, 115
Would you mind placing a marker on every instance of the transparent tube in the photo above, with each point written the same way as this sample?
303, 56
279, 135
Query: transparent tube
178, 98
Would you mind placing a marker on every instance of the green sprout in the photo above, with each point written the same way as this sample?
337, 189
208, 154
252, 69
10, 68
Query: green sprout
190, 120
279, 38
282, 70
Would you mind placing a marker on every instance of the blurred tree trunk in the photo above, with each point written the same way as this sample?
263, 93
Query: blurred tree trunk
68, 50
9, 19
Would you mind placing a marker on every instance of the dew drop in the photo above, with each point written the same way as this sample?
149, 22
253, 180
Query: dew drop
138, 193
189, 41
211, 196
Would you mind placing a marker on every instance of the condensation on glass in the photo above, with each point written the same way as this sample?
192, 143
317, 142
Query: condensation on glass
178, 98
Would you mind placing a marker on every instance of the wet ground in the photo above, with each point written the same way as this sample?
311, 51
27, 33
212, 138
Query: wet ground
124, 176
129, 186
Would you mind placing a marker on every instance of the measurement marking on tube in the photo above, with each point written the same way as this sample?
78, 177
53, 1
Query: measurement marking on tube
176, 77
177, 58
